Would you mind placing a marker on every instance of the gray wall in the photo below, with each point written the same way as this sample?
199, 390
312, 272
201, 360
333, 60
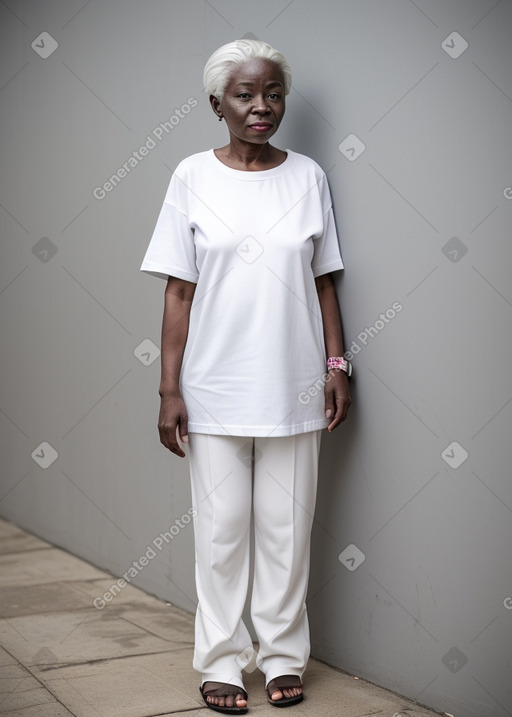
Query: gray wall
411, 580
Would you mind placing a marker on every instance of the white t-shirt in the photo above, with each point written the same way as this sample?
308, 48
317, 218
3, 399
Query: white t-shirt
253, 242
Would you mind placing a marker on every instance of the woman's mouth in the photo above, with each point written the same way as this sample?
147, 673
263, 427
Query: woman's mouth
261, 126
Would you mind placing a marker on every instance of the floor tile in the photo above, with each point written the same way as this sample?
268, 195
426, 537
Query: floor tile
74, 637
96, 587
19, 689
17, 600
165, 621
44, 566
6, 658
132, 687
50, 709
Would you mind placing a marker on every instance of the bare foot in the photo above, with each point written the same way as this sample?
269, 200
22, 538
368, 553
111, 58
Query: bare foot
227, 700
292, 692
286, 688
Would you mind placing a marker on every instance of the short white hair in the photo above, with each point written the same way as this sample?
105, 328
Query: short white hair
224, 60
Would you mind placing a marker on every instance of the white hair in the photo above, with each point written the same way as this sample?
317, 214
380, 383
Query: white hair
222, 62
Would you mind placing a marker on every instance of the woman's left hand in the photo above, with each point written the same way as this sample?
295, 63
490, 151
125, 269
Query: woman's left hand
337, 398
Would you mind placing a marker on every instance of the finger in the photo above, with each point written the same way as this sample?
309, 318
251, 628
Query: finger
184, 427
337, 418
332, 425
168, 438
346, 406
330, 409
164, 437
342, 406
178, 449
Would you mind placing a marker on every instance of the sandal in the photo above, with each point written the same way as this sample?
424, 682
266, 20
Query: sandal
285, 682
223, 689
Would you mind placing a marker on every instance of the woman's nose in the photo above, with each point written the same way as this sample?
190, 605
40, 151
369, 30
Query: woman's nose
260, 104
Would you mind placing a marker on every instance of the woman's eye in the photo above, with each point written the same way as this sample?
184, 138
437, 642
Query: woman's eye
247, 96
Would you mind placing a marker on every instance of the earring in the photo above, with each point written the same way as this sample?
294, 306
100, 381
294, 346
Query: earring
220, 119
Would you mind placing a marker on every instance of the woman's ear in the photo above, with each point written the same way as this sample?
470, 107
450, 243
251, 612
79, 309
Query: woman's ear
215, 103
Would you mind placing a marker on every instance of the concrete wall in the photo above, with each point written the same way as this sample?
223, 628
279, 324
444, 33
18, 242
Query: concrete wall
411, 583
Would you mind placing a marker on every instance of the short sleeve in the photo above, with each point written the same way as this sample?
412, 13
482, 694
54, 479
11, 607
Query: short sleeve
327, 255
171, 250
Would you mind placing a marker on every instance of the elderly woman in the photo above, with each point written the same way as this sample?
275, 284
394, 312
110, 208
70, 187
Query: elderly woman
252, 368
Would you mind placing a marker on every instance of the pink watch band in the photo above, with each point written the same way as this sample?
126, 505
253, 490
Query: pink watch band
338, 363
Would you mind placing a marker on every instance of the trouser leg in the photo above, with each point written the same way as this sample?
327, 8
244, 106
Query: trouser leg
285, 481
221, 494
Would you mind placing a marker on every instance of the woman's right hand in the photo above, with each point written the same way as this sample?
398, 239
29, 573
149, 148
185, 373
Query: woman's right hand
173, 422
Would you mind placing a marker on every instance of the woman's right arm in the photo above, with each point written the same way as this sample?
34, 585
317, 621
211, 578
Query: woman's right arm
173, 416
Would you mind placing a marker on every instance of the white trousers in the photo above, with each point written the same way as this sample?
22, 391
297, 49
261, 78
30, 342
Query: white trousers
275, 480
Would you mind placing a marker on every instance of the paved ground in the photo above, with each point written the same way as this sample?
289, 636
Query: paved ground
62, 657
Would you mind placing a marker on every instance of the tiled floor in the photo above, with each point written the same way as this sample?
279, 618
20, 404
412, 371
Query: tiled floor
60, 656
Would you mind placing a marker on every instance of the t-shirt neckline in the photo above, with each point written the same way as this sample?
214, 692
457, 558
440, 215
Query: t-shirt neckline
248, 175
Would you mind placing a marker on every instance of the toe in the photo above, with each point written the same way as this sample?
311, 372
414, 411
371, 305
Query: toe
286, 693
227, 700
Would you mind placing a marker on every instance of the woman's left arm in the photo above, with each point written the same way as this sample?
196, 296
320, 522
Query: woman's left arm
337, 393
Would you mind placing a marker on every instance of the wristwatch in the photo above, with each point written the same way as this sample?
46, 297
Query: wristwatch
338, 363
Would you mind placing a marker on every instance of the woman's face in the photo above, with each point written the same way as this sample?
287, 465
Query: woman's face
253, 102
